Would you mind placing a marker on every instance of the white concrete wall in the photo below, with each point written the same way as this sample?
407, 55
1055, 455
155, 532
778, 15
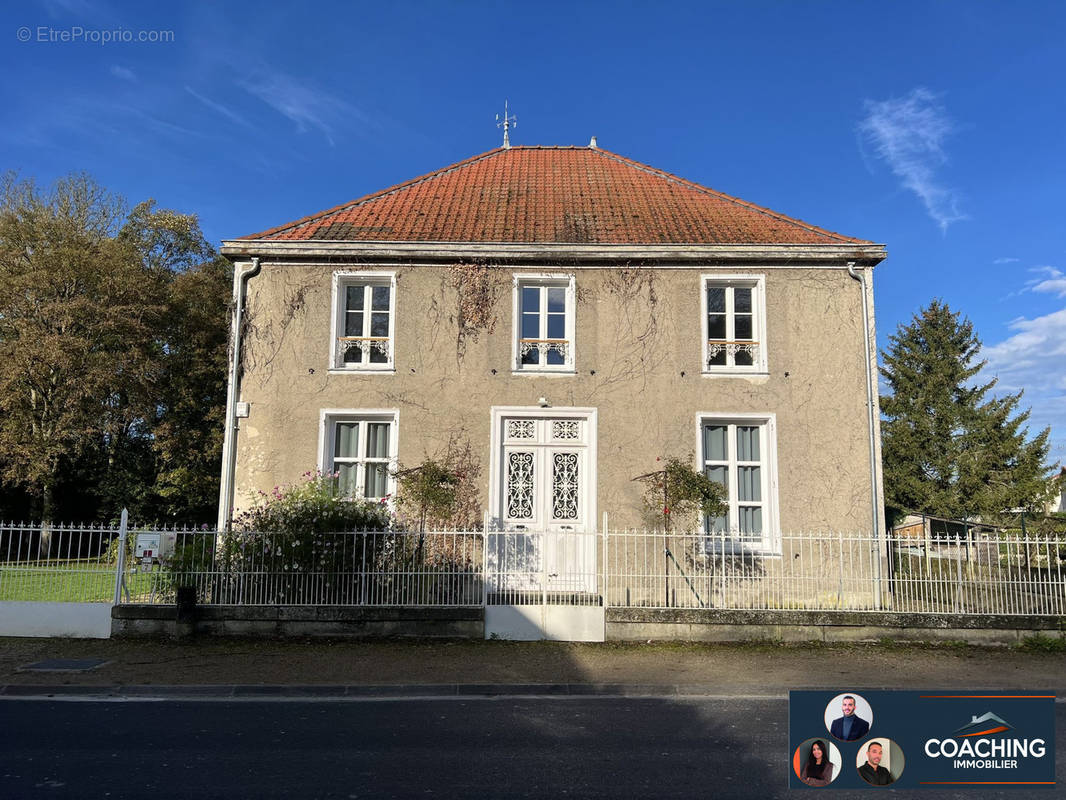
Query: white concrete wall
75, 620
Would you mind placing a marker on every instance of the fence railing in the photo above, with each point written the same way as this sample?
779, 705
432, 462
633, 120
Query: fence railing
980, 573
58, 563
361, 568
986, 573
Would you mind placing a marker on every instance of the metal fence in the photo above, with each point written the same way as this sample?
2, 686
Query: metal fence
978, 573
985, 573
360, 568
58, 563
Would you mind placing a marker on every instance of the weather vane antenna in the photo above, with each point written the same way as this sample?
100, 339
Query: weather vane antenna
506, 123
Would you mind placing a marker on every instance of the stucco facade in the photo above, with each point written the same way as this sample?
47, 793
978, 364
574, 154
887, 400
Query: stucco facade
637, 360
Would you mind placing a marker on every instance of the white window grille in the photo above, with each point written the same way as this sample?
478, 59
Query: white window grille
544, 323
360, 451
740, 454
364, 321
734, 324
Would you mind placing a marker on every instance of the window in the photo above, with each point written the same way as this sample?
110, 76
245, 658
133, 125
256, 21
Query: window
544, 323
364, 320
734, 324
361, 451
740, 454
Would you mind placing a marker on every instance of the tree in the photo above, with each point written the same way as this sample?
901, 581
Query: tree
949, 447
77, 316
187, 434
112, 352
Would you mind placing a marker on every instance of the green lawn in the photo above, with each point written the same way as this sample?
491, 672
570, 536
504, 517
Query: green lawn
67, 582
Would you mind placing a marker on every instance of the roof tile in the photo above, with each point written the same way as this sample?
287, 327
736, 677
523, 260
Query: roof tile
552, 194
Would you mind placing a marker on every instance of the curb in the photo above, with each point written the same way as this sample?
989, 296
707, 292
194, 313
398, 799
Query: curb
384, 691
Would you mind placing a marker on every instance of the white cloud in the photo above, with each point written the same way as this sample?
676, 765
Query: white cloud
1033, 358
1054, 281
1006, 260
123, 73
306, 106
218, 108
908, 134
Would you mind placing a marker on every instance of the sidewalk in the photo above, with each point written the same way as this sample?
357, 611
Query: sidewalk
671, 667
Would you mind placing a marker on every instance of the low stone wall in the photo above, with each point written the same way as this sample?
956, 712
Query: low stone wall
297, 621
622, 624
713, 625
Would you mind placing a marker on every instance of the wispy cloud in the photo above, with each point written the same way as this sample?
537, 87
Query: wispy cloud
307, 106
1033, 358
218, 108
1006, 261
1053, 282
123, 73
908, 133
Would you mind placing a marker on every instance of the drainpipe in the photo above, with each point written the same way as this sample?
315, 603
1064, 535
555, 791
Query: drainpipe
875, 516
229, 441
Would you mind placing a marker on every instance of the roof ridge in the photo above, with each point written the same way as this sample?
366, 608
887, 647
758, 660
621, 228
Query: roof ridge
727, 197
373, 195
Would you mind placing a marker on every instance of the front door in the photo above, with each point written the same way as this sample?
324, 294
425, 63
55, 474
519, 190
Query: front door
543, 559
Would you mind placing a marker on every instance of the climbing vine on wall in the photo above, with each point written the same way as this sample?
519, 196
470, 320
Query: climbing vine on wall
477, 286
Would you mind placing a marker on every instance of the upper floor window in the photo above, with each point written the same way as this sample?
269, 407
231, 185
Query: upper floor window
740, 454
544, 323
364, 320
734, 324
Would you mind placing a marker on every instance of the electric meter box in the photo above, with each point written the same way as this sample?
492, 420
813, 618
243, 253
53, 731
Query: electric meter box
155, 545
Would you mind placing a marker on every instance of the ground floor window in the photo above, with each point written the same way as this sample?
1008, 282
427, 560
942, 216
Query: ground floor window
740, 454
359, 449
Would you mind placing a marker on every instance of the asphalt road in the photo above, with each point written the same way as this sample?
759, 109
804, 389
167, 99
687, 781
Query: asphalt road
471, 747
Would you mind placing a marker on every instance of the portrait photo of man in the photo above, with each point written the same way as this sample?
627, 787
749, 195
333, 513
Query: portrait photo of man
850, 726
872, 771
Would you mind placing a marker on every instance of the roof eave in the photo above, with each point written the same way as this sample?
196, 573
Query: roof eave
867, 253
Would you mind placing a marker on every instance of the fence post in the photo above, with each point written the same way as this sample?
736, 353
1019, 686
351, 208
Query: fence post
120, 570
606, 561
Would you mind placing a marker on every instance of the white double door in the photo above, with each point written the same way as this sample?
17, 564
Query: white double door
546, 487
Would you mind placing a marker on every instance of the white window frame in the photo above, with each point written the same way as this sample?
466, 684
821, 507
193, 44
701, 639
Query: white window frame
568, 282
757, 283
341, 281
770, 543
328, 419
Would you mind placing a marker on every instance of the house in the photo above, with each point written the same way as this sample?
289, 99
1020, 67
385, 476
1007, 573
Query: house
569, 315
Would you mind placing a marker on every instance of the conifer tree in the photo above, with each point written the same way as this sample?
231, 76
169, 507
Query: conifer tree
950, 448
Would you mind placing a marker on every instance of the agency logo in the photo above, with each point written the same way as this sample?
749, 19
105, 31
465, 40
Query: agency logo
986, 724
977, 745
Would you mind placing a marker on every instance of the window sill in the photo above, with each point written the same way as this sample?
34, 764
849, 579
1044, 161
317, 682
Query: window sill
388, 370
540, 373
735, 373
732, 548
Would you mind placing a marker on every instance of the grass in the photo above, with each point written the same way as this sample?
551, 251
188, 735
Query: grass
67, 582
1041, 643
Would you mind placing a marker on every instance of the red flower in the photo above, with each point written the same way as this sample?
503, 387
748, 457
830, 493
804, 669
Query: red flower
666, 511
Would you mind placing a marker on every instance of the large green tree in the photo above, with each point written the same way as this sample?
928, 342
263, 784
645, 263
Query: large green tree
951, 448
110, 324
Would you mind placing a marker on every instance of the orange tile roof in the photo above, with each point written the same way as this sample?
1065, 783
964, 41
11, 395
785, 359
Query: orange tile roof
552, 194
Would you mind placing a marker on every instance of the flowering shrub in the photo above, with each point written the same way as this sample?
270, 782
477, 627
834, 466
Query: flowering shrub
311, 507
301, 544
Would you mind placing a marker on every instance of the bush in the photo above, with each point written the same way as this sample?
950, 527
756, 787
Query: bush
301, 544
679, 495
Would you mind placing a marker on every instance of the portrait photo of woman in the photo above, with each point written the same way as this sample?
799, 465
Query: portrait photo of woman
816, 763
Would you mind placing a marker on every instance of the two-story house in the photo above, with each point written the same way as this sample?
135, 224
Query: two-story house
571, 315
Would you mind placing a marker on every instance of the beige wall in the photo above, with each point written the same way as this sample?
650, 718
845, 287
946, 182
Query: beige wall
638, 330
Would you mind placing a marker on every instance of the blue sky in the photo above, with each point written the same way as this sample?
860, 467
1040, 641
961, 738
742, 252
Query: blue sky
935, 128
